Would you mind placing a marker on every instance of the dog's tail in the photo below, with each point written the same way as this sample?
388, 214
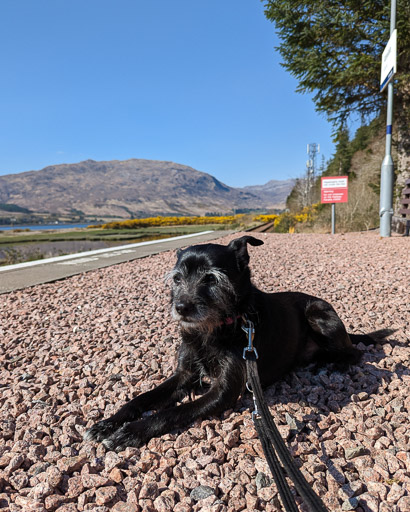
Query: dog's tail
372, 338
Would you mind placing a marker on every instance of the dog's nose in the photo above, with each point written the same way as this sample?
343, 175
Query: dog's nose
184, 308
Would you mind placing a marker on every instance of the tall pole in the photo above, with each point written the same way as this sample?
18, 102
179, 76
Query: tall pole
312, 150
387, 170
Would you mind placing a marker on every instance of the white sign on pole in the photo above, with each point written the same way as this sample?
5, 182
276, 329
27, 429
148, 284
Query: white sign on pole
389, 61
335, 182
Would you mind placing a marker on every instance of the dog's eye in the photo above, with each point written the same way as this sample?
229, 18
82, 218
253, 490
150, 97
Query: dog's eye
177, 278
209, 279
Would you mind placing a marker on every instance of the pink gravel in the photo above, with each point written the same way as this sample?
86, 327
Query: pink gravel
73, 351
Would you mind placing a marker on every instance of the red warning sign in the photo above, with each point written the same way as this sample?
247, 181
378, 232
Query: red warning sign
334, 189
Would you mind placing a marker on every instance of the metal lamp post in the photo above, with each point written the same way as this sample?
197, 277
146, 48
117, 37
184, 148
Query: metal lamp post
387, 169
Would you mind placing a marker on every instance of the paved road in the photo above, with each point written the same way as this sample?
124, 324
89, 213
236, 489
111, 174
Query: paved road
22, 275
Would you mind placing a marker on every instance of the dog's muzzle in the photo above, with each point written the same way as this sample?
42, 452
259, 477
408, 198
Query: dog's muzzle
185, 308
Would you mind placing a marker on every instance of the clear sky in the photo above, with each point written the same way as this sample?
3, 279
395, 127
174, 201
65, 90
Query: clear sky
189, 81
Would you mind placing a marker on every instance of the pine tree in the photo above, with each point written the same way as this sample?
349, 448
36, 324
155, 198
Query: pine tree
334, 49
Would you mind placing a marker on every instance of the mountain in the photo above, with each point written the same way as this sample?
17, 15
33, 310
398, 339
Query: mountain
274, 192
132, 188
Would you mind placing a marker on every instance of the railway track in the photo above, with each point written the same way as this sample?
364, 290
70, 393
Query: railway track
262, 228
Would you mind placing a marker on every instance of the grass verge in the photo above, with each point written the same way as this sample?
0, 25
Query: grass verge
7, 237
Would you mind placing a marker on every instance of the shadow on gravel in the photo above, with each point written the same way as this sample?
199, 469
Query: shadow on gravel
327, 388
323, 391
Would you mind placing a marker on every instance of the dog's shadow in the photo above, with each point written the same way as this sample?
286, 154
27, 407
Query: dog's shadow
326, 389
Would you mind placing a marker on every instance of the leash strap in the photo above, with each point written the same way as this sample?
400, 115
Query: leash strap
273, 445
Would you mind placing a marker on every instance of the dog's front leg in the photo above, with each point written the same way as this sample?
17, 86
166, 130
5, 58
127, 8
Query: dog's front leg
167, 392
222, 395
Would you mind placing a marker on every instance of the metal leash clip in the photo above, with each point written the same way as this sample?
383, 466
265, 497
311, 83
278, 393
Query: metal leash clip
249, 329
255, 412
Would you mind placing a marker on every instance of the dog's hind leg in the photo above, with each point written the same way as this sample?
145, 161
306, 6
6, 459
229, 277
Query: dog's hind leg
329, 334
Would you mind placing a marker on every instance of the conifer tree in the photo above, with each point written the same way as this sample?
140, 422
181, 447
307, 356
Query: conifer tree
334, 49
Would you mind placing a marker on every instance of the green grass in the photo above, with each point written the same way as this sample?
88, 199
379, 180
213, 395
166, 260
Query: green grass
6, 237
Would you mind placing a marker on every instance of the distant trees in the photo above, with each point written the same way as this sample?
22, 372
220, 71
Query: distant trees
7, 207
303, 191
360, 159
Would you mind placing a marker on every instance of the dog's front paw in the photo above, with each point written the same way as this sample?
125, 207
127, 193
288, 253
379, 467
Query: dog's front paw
100, 430
130, 434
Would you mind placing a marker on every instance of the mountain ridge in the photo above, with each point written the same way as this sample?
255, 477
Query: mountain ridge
133, 188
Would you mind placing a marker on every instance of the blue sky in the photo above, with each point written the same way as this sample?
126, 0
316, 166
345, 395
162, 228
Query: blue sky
198, 83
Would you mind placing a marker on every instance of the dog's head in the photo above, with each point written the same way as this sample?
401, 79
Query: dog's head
210, 283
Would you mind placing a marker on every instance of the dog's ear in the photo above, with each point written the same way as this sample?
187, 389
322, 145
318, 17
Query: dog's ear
239, 245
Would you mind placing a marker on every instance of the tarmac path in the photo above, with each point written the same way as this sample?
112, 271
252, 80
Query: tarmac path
23, 275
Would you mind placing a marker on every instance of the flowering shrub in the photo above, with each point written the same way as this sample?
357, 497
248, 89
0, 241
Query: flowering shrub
171, 221
286, 222
265, 218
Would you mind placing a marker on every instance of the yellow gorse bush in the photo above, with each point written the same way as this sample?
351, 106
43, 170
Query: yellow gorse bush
265, 218
171, 221
286, 221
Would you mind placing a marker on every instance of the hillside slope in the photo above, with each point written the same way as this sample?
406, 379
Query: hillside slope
132, 188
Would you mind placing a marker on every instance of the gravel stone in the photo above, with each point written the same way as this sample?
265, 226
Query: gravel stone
396, 492
295, 426
104, 495
54, 501
75, 487
112, 460
41, 491
262, 481
18, 480
201, 492
404, 504
72, 352
356, 451
90, 481
53, 476
369, 503
14, 463
122, 506
71, 464
69, 507
350, 504
149, 491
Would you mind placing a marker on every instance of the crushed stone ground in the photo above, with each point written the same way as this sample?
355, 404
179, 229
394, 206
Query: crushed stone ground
73, 351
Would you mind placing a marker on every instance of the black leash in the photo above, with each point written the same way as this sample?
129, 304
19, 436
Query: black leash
273, 445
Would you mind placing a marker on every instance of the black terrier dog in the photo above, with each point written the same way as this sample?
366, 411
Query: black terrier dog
211, 294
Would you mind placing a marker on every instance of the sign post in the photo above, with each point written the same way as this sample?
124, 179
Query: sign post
389, 65
389, 61
334, 190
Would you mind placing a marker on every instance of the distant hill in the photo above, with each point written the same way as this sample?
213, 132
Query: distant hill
132, 188
273, 192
